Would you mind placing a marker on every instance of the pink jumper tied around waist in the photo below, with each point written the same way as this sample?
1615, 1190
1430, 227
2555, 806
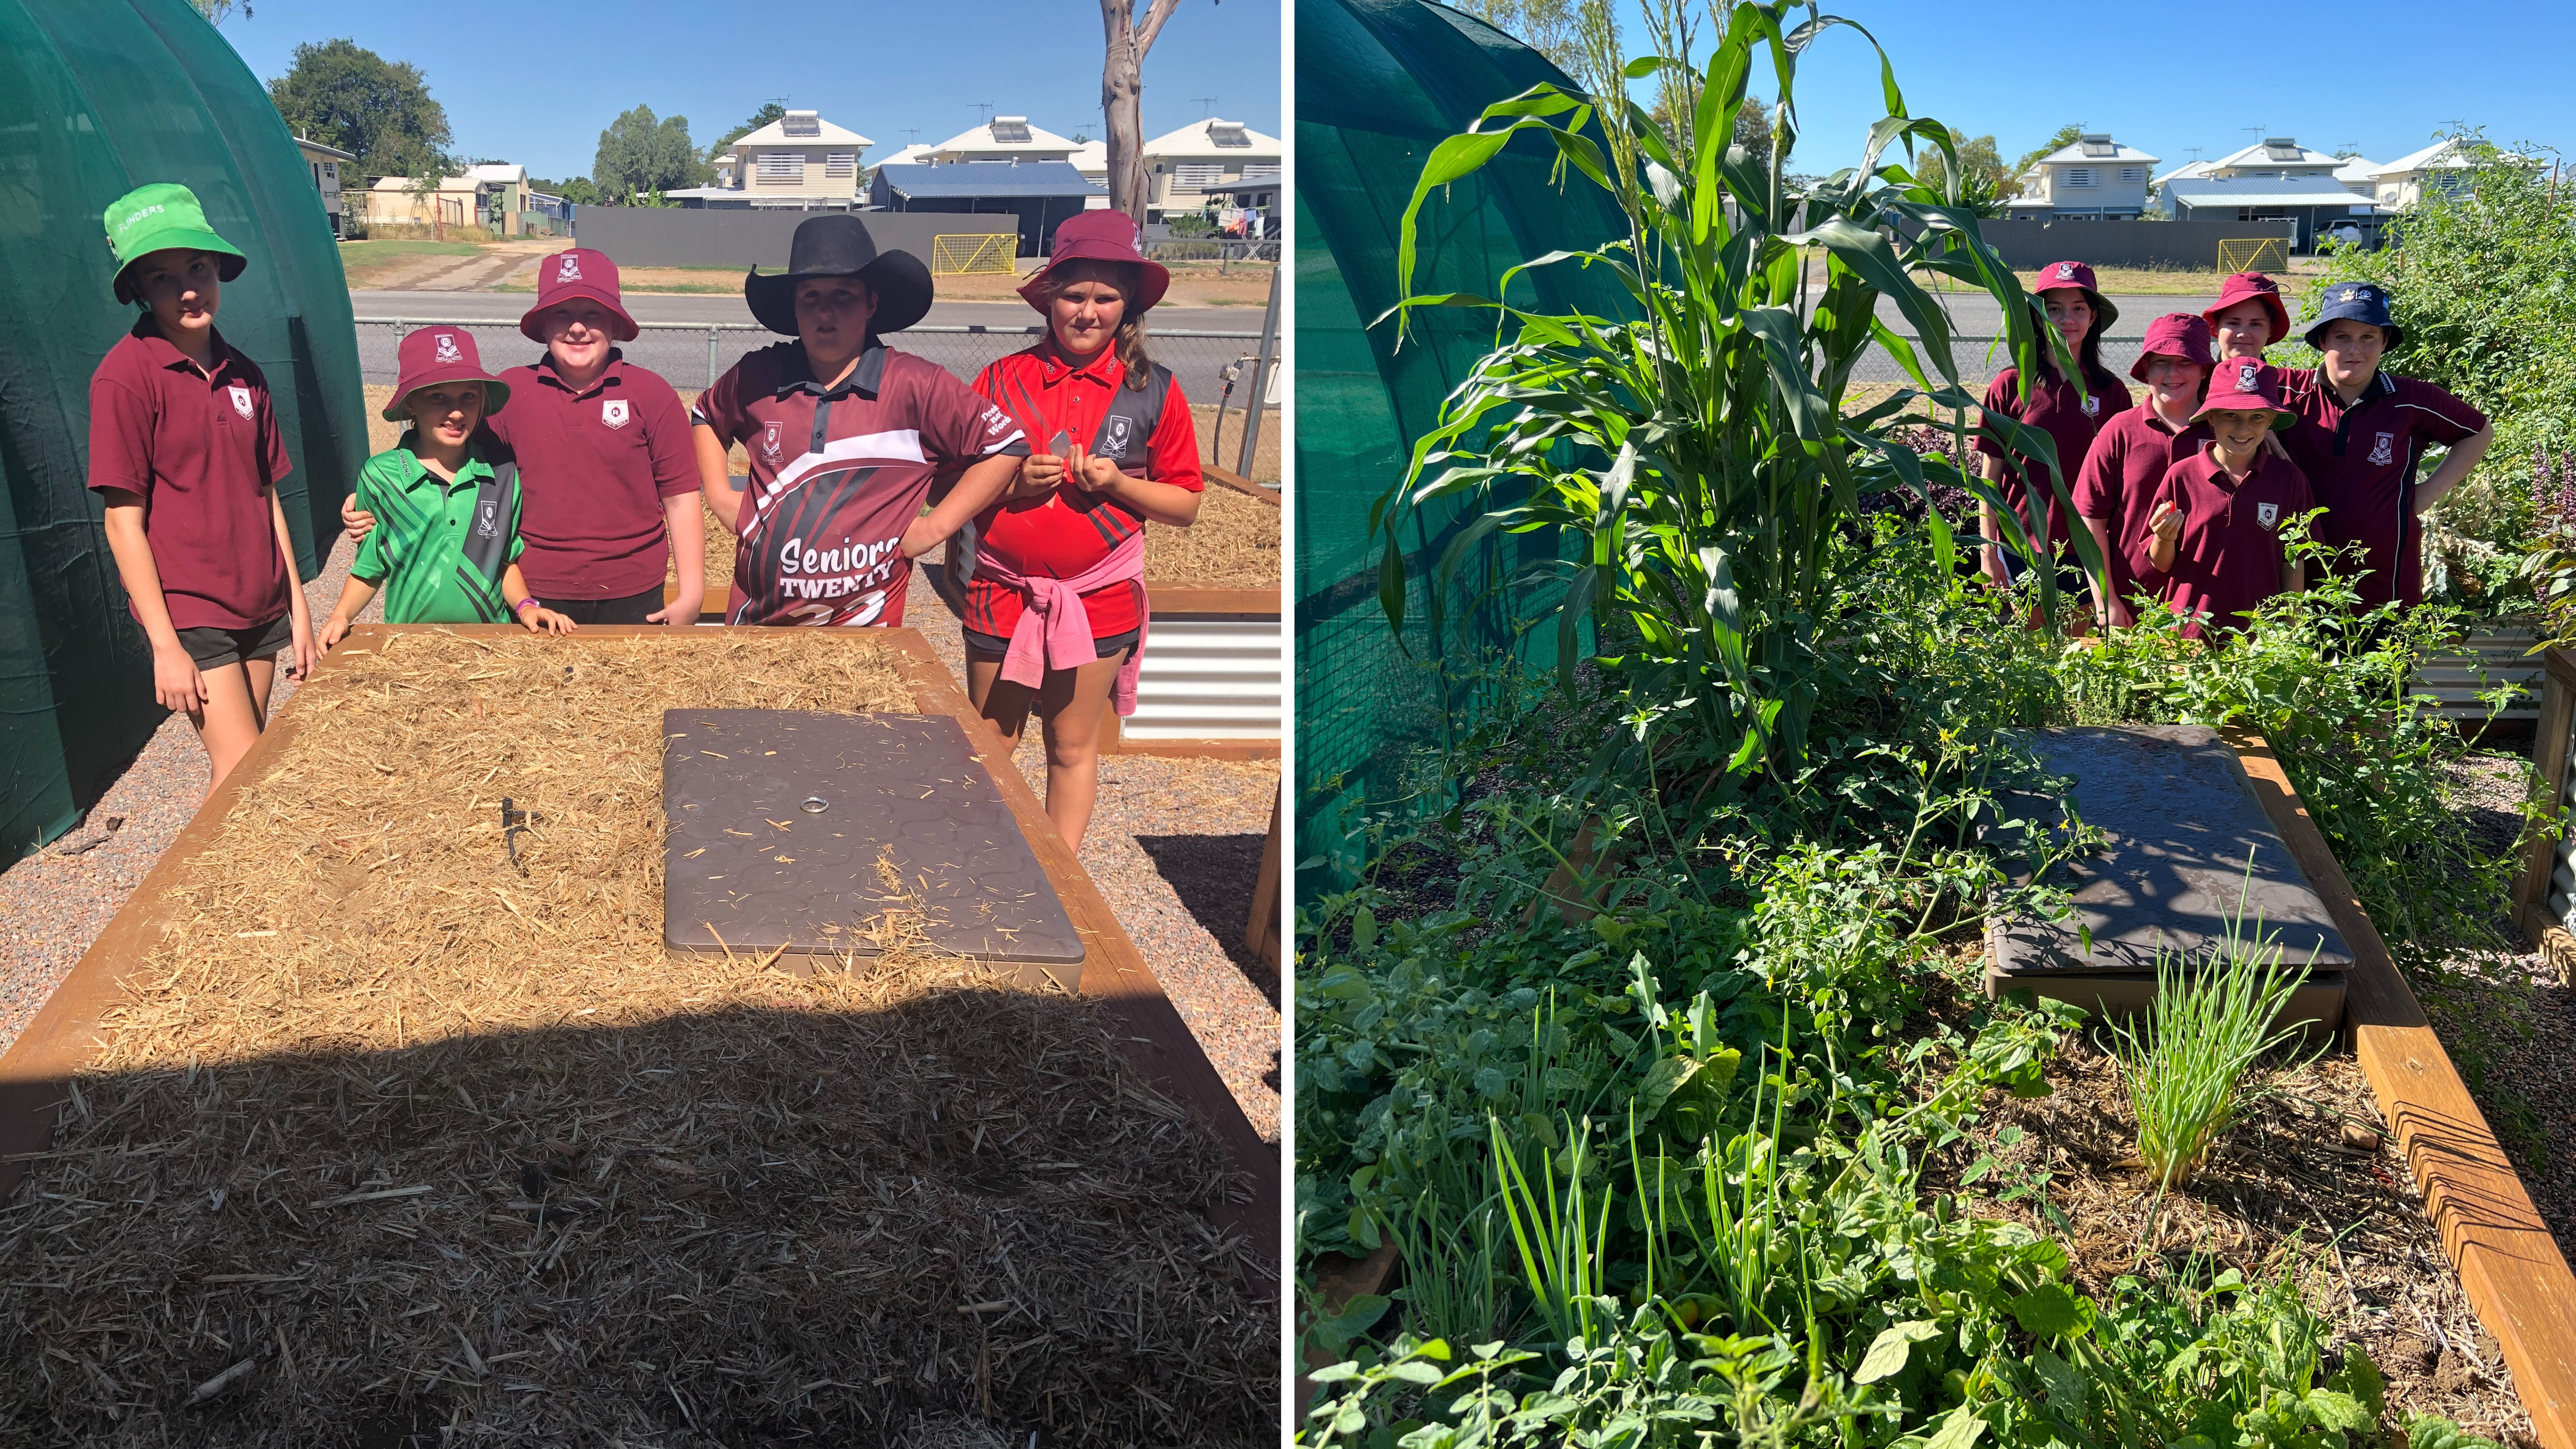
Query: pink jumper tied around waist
1054, 631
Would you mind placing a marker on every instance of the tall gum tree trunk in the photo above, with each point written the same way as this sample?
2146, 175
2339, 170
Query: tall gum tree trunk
1122, 87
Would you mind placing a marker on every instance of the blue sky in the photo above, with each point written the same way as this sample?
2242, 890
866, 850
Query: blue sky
2379, 75
537, 83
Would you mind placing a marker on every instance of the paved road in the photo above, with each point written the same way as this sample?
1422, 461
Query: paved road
702, 308
1975, 315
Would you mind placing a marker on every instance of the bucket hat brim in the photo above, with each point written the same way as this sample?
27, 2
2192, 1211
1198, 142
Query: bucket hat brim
2281, 417
625, 329
2317, 329
496, 393
899, 279
228, 264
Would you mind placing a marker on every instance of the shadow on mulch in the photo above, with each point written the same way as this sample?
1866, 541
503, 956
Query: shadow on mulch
1214, 875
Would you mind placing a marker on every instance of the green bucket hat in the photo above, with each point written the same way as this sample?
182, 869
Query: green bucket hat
157, 218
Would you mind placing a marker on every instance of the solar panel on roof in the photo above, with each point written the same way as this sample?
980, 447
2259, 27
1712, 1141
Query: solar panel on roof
1010, 132
807, 125
2100, 148
1228, 136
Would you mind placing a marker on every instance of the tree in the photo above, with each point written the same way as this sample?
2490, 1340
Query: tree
1984, 184
638, 154
575, 189
1546, 26
768, 112
2065, 136
1122, 91
342, 94
219, 11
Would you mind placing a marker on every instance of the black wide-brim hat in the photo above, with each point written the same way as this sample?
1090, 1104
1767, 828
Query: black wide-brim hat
838, 245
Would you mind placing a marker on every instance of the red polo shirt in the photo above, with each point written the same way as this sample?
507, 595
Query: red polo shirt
2067, 419
2362, 461
2229, 557
594, 467
838, 474
1069, 530
2127, 462
201, 448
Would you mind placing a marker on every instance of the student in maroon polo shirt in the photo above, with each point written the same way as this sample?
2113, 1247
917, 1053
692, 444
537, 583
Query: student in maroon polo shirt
185, 446
2248, 316
2362, 434
2080, 313
845, 437
2214, 532
1056, 615
2116, 487
608, 471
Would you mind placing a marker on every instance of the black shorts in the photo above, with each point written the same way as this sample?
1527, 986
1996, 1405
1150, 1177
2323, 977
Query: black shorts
633, 609
1107, 647
215, 648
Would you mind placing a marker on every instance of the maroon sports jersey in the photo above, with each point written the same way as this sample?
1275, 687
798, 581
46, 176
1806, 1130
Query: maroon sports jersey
2229, 556
838, 475
594, 467
2361, 460
201, 449
2128, 460
2068, 420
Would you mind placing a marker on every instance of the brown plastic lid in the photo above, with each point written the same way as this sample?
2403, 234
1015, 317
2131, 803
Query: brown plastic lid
803, 829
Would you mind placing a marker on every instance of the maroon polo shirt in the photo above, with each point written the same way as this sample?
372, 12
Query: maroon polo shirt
838, 474
201, 448
2128, 460
2069, 420
594, 467
2230, 555
2361, 461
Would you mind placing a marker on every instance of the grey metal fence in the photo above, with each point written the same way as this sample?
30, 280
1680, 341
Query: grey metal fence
694, 354
1980, 358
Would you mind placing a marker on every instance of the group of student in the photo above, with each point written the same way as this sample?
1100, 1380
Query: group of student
563, 492
2185, 494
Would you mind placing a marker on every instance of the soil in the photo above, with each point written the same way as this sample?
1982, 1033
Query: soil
2307, 1183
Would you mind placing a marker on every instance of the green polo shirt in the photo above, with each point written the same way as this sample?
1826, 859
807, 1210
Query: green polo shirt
439, 548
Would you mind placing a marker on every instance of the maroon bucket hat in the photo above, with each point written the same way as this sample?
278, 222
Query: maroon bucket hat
2057, 275
1103, 236
578, 273
2180, 336
2252, 287
2244, 385
432, 355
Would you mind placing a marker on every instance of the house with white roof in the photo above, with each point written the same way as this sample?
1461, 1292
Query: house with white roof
2360, 176
1196, 167
915, 154
494, 196
1005, 138
799, 161
2441, 167
2279, 158
2094, 177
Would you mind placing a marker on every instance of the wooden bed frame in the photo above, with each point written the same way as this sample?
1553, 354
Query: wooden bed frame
63, 1038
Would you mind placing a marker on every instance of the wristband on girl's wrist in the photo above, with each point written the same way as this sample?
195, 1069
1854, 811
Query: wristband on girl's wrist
524, 605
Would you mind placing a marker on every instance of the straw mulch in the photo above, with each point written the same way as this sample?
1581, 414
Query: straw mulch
393, 1144
1235, 544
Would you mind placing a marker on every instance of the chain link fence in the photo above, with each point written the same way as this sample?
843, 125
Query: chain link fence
693, 355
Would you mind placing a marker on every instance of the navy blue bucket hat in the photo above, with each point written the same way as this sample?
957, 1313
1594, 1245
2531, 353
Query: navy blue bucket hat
2355, 302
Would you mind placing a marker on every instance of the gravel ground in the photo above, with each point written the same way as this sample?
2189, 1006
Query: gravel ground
1174, 847
2508, 1020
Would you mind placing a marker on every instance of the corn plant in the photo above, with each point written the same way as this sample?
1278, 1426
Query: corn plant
2207, 1027
1697, 454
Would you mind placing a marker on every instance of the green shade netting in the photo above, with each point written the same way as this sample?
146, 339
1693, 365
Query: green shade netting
1379, 84
98, 97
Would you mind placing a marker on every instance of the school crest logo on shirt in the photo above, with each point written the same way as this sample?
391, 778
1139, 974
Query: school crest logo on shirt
487, 521
241, 401
567, 268
2382, 449
769, 441
2268, 515
612, 411
447, 350
1115, 443
2092, 407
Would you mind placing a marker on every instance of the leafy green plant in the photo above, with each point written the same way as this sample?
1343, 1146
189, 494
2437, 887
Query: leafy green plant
2209, 1023
1697, 456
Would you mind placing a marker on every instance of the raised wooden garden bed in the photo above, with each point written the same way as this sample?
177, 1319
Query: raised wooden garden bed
346, 1128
